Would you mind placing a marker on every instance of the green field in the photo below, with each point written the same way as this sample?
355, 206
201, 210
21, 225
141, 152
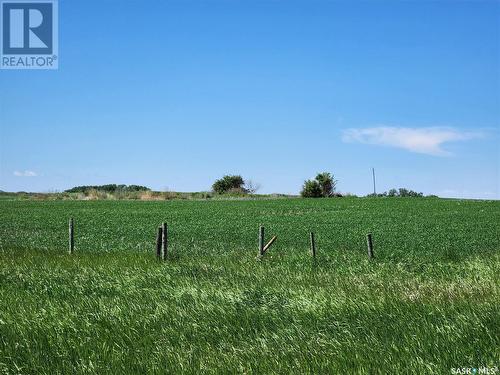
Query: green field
427, 303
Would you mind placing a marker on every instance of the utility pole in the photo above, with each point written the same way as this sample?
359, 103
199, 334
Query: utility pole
374, 187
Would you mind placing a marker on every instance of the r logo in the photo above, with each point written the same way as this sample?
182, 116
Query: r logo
27, 28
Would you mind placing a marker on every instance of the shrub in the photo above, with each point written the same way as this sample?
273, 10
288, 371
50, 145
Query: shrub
327, 184
392, 193
409, 193
401, 192
323, 186
311, 189
229, 183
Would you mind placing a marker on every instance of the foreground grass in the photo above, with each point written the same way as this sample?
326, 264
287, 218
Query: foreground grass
428, 303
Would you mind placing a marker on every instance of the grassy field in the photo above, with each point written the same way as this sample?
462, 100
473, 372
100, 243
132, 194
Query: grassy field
428, 303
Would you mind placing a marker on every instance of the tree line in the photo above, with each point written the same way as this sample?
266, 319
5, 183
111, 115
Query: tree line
108, 188
324, 185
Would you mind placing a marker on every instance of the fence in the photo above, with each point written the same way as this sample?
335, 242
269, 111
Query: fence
162, 242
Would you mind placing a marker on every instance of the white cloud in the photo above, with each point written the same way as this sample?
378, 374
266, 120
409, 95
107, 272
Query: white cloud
421, 140
25, 174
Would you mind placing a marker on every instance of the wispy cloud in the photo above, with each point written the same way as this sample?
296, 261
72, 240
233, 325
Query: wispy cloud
25, 174
421, 140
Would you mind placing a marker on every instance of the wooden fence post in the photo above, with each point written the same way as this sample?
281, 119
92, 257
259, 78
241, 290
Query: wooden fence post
164, 240
71, 236
369, 242
313, 245
159, 236
261, 240
268, 245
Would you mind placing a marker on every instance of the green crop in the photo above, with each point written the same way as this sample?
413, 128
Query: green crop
427, 303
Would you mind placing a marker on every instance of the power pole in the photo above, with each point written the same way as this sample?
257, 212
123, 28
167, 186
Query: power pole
374, 187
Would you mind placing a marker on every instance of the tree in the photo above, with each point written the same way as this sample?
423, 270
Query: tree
392, 193
311, 189
327, 184
401, 192
229, 183
322, 186
251, 187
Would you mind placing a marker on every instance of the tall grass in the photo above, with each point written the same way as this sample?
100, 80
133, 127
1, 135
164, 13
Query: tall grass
426, 304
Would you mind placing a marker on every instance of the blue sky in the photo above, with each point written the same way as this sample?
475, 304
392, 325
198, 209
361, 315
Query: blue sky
173, 94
